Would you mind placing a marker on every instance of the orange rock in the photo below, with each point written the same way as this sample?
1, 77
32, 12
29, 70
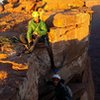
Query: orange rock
62, 4
18, 9
78, 3
91, 3
1, 7
3, 56
70, 18
63, 20
69, 33
16, 66
24, 6
82, 32
29, 5
8, 7
56, 4
61, 34
13, 1
3, 75
7, 48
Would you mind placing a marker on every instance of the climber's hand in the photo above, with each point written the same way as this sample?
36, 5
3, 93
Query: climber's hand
30, 44
29, 41
36, 33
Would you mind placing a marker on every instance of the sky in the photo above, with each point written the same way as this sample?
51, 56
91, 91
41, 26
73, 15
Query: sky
1, 0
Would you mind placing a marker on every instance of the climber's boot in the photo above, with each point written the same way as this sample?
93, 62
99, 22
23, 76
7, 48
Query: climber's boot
30, 50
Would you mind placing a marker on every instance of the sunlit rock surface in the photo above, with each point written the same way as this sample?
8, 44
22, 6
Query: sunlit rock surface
66, 4
91, 3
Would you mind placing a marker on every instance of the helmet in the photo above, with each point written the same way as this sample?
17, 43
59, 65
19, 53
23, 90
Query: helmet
56, 76
35, 14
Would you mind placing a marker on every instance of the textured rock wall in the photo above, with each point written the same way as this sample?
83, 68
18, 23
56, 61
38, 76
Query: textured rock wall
68, 23
39, 64
68, 39
58, 4
68, 32
19, 5
91, 3
69, 28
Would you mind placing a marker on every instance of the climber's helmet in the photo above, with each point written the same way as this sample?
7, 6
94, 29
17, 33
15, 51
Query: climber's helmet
56, 79
56, 76
35, 16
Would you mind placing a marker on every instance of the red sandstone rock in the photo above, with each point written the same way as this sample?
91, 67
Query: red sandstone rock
91, 3
70, 18
65, 4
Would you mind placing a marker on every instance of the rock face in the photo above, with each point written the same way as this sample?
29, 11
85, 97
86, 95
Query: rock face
18, 5
68, 37
67, 33
22, 5
8, 22
57, 4
68, 42
90, 3
10, 76
42, 66
71, 18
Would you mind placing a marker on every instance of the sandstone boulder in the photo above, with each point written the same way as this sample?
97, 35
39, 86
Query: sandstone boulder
25, 6
65, 4
61, 36
61, 18
91, 3
19, 6
69, 33
8, 7
70, 18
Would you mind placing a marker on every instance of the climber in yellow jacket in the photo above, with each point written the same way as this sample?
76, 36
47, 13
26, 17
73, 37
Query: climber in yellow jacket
37, 31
